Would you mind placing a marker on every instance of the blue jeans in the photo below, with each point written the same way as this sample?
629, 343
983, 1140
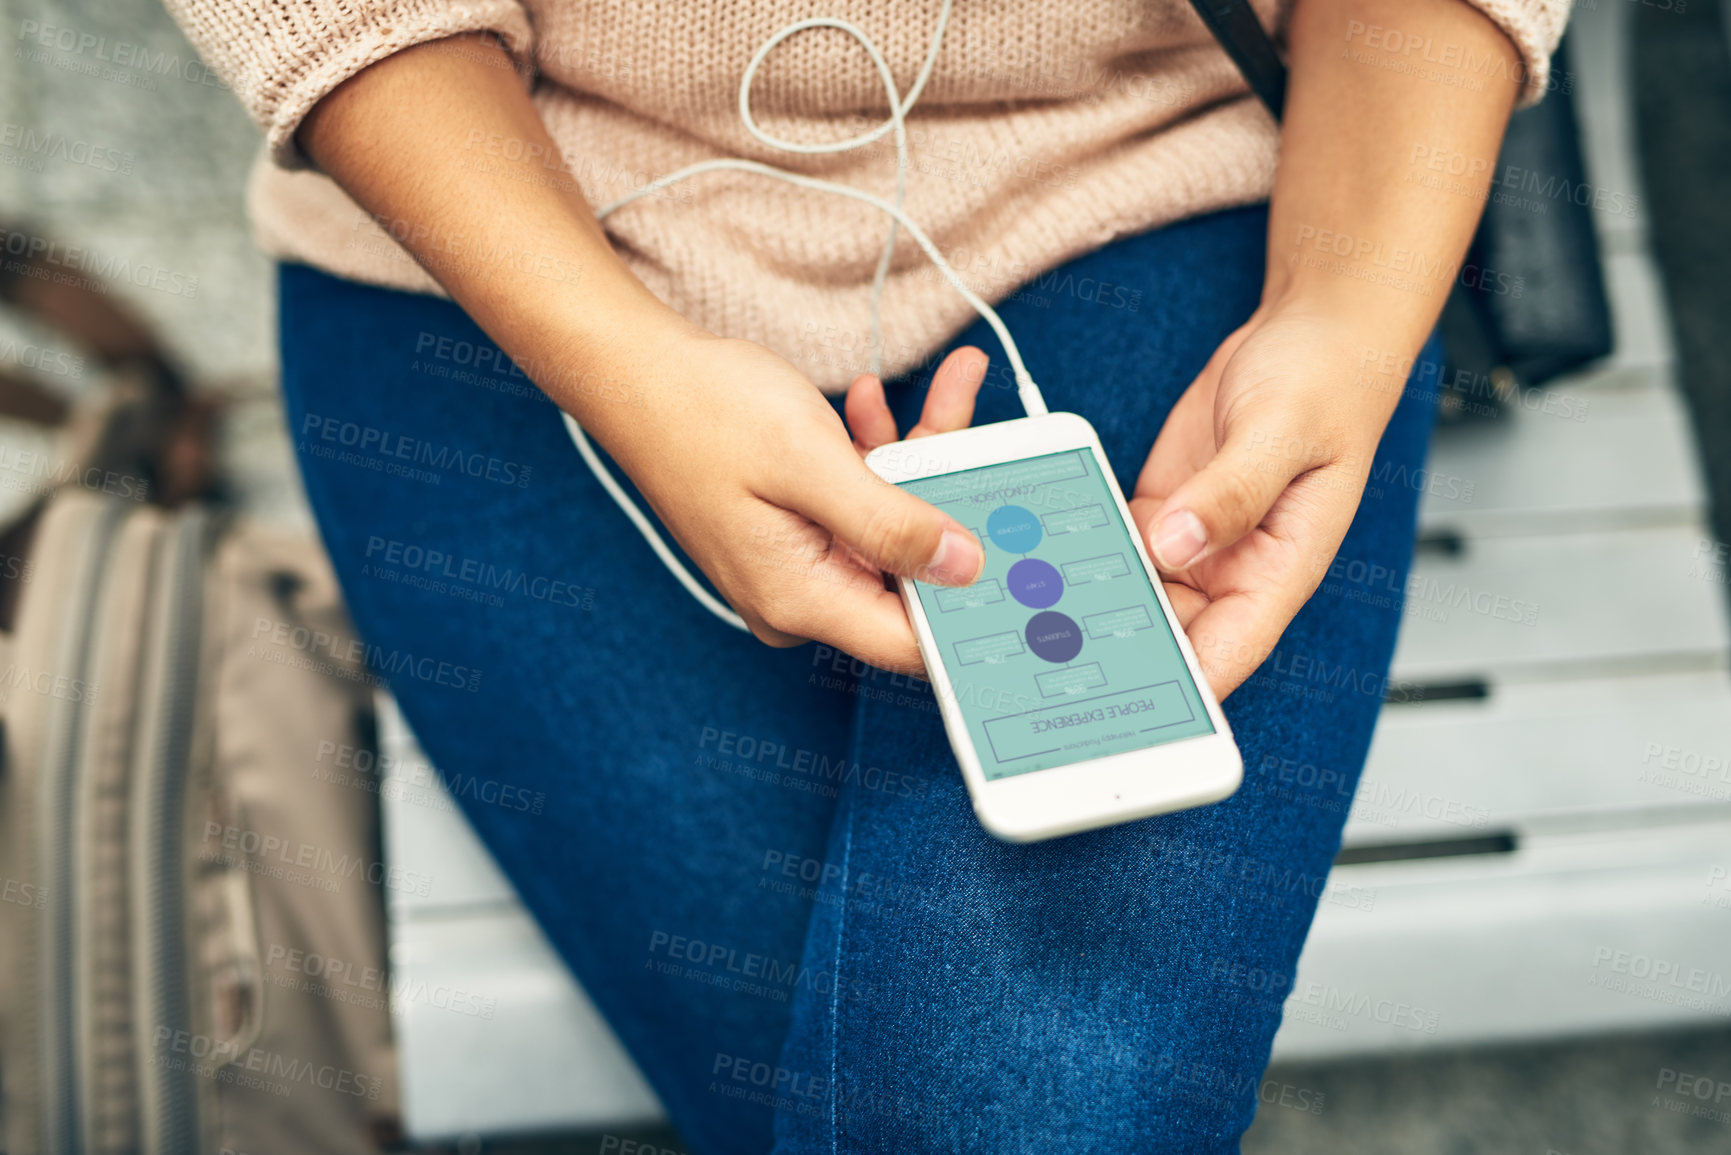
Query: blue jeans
762, 863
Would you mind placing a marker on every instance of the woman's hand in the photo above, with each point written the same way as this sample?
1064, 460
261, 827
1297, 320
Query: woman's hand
1250, 486
747, 465
1255, 478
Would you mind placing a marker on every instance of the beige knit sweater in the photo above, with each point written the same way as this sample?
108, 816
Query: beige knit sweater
1046, 130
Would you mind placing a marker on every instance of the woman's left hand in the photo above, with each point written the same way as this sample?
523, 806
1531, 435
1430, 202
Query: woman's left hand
1255, 478
1260, 467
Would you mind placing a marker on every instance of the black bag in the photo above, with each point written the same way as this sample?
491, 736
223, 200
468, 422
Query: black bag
1496, 341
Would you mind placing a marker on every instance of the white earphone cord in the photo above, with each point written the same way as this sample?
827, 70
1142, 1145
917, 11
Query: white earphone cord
1029, 393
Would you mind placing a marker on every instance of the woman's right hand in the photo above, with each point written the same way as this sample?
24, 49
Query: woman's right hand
748, 466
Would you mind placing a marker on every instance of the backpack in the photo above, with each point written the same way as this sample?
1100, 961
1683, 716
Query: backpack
192, 937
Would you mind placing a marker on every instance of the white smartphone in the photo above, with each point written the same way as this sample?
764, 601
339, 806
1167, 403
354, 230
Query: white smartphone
1069, 692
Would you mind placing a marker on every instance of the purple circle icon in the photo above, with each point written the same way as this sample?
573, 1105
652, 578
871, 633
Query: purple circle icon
1035, 583
1054, 636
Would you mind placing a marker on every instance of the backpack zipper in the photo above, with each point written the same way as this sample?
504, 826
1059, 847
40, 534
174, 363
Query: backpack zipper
168, 1097
60, 761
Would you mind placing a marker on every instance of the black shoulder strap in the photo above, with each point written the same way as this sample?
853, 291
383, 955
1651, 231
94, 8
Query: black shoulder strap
1234, 24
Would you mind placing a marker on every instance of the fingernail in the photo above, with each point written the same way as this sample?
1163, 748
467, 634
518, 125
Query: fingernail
957, 561
1178, 539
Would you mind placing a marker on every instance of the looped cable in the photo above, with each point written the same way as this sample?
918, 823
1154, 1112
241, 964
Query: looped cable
1029, 393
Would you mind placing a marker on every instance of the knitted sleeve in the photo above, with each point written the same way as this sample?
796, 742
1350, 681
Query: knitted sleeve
1534, 27
282, 56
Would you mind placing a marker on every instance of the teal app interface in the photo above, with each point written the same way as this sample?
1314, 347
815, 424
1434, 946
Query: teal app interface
1060, 652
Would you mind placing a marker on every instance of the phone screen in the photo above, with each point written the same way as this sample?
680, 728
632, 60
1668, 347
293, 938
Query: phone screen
1060, 653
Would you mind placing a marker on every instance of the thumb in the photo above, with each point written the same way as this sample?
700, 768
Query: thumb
888, 527
1221, 502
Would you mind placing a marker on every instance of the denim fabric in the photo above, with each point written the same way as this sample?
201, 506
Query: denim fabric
762, 863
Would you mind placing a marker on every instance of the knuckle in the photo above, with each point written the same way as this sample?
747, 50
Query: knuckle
891, 533
1238, 498
772, 635
776, 620
787, 618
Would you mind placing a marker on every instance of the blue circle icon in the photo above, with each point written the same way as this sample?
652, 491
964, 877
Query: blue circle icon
1013, 529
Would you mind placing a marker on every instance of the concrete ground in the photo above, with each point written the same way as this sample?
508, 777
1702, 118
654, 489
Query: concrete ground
179, 205
1608, 1096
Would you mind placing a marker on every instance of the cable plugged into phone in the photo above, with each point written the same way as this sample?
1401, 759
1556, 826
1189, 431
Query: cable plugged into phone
1026, 390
